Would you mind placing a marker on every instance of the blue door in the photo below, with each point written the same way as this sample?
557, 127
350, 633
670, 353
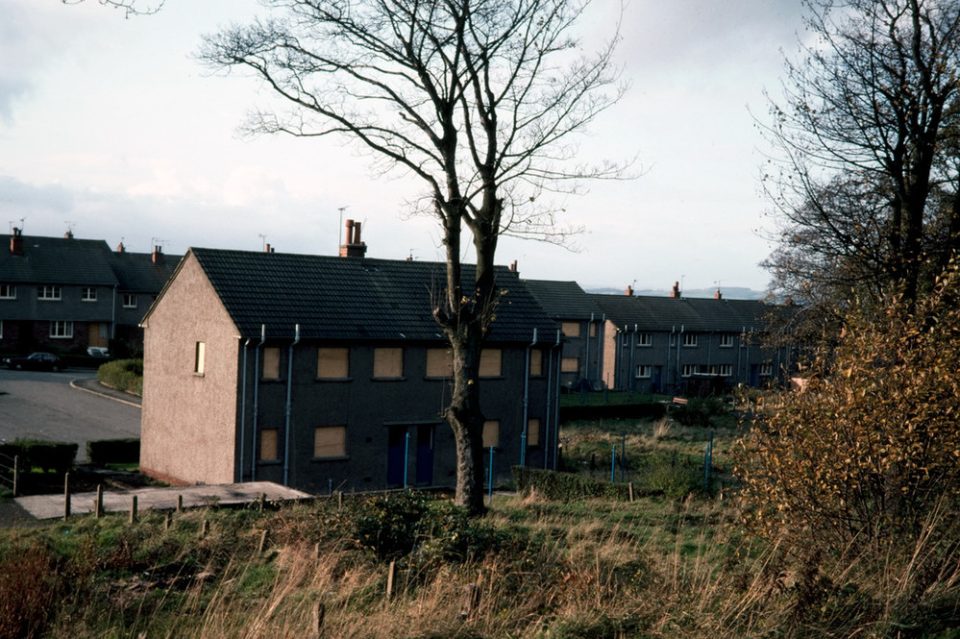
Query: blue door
424, 455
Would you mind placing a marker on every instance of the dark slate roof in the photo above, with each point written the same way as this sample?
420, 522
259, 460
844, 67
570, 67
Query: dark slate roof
136, 272
351, 298
693, 314
564, 300
57, 260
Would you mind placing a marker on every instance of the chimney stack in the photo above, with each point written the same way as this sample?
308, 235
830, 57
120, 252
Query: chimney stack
16, 242
629, 291
68, 235
717, 295
157, 256
352, 246
267, 248
513, 266
121, 248
675, 292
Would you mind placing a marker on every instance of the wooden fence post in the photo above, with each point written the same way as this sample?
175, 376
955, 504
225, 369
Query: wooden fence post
16, 475
133, 509
319, 612
179, 503
66, 496
261, 502
204, 528
630, 491
263, 541
167, 519
391, 574
339, 500
98, 502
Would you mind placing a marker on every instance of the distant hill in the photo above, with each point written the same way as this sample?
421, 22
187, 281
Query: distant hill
729, 292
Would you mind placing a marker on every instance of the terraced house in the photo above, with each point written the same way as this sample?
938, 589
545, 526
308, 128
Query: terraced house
67, 294
324, 372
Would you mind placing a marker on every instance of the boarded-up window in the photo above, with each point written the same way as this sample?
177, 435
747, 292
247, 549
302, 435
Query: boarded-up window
570, 365
533, 432
329, 441
387, 363
536, 363
199, 357
333, 363
439, 362
268, 445
570, 329
490, 362
491, 433
271, 363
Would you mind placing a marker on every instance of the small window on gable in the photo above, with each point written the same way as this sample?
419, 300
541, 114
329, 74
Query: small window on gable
689, 339
271, 363
490, 362
88, 294
491, 433
536, 363
439, 362
570, 365
726, 340
387, 363
570, 329
199, 358
333, 363
329, 441
8, 292
533, 432
268, 445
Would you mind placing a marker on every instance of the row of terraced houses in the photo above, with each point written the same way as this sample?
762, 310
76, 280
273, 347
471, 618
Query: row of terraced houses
329, 372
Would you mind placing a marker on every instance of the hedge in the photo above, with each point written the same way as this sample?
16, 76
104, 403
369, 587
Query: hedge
47, 455
114, 451
648, 410
123, 374
566, 486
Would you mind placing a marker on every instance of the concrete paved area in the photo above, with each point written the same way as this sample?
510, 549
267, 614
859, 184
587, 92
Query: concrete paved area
51, 506
44, 406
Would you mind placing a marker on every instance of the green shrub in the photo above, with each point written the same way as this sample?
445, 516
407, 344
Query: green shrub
123, 374
699, 411
113, 451
390, 525
47, 455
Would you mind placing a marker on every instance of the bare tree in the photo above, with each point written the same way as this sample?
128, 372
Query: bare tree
129, 7
479, 99
867, 128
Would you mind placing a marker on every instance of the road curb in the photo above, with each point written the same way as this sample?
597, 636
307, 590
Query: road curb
74, 384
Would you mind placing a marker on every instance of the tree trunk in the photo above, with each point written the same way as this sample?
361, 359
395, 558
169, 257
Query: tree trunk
465, 418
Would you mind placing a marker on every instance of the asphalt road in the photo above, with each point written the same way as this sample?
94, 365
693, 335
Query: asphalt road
44, 406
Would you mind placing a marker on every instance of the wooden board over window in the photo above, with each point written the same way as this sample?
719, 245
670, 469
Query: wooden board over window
271, 363
268, 445
536, 363
533, 432
329, 441
490, 362
333, 363
570, 365
387, 363
439, 362
570, 329
491, 433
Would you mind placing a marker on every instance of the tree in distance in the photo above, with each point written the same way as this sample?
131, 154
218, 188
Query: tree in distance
479, 99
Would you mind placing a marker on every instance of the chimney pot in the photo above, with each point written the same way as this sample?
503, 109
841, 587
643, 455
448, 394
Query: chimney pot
121, 248
629, 291
718, 295
16, 242
267, 248
352, 246
157, 255
68, 235
513, 266
675, 292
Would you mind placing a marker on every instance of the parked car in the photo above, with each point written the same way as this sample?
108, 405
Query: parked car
35, 362
98, 352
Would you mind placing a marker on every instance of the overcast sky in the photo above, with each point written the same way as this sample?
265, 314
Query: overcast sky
110, 125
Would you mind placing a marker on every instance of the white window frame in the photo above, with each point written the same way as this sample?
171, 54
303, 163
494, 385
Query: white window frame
644, 339
49, 293
8, 291
1, 329
726, 340
689, 340
766, 369
88, 294
688, 370
644, 371
726, 370
129, 300
61, 329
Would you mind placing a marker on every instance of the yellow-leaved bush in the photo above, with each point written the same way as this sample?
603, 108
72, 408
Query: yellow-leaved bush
869, 452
